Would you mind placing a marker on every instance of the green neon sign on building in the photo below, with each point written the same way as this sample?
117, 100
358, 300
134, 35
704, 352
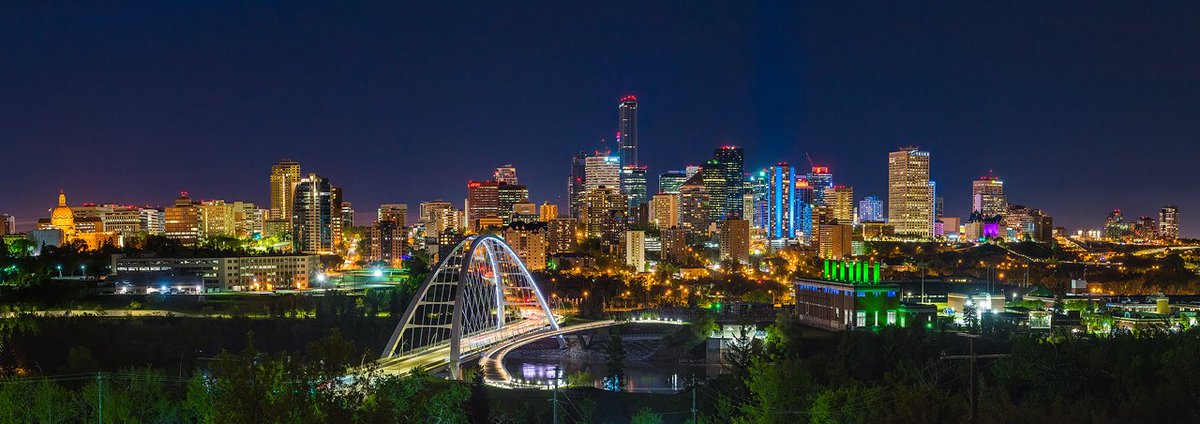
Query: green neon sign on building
852, 272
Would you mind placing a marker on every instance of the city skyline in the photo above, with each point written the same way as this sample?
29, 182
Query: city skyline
130, 123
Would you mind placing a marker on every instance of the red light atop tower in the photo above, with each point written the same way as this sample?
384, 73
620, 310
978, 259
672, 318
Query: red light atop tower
629, 98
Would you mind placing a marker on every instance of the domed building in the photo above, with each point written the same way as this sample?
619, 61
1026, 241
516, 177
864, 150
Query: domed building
62, 218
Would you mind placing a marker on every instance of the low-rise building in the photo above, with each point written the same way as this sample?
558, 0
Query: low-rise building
267, 272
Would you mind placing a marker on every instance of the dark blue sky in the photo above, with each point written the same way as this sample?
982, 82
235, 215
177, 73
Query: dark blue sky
1081, 107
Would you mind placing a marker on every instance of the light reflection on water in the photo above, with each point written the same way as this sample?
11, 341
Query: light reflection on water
640, 377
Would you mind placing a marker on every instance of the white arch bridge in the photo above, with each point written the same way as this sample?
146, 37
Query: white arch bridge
479, 296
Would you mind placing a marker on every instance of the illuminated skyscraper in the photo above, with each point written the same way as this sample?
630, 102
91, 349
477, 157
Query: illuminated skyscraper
314, 215
820, 179
664, 210
910, 194
1168, 223
284, 176
575, 183
781, 201
669, 182
730, 164
506, 174
602, 170
483, 202
694, 206
987, 196
633, 185
508, 195
182, 221
627, 131
217, 219
438, 216
870, 209
840, 200
734, 240
8, 224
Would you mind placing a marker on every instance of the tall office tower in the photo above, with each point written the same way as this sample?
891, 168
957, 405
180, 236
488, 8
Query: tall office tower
561, 236
483, 202
910, 195
576, 183
602, 170
508, 195
693, 206
217, 219
781, 201
347, 215
755, 205
1028, 223
840, 200
336, 223
664, 210
506, 174
313, 215
734, 240
820, 180
182, 221
939, 202
730, 163
627, 131
284, 176
8, 224
870, 209
633, 186
669, 182
393, 212
1168, 223
987, 196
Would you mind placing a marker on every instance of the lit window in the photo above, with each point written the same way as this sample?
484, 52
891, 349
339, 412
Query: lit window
860, 318
891, 318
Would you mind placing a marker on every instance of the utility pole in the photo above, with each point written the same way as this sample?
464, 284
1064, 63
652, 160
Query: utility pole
973, 357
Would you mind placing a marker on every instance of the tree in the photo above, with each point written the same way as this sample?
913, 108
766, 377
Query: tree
646, 416
477, 404
614, 361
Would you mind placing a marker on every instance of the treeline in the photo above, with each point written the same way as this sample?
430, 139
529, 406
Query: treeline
246, 387
904, 376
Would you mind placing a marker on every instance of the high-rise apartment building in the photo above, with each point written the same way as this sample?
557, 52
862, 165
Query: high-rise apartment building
603, 208
840, 200
528, 240
8, 224
987, 196
438, 216
483, 202
182, 221
910, 194
386, 242
506, 174
547, 212
820, 179
393, 212
284, 176
1168, 223
525, 212
870, 209
633, 247
217, 219
734, 240
664, 210
627, 131
669, 182
561, 235
315, 218
835, 241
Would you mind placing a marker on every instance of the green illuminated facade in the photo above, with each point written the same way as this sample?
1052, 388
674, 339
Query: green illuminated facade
853, 296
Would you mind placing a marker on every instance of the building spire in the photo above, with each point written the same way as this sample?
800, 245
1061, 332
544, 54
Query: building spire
62, 198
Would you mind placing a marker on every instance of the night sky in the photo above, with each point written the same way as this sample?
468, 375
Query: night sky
1079, 107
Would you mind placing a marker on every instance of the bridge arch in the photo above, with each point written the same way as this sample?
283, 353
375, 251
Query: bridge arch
479, 294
